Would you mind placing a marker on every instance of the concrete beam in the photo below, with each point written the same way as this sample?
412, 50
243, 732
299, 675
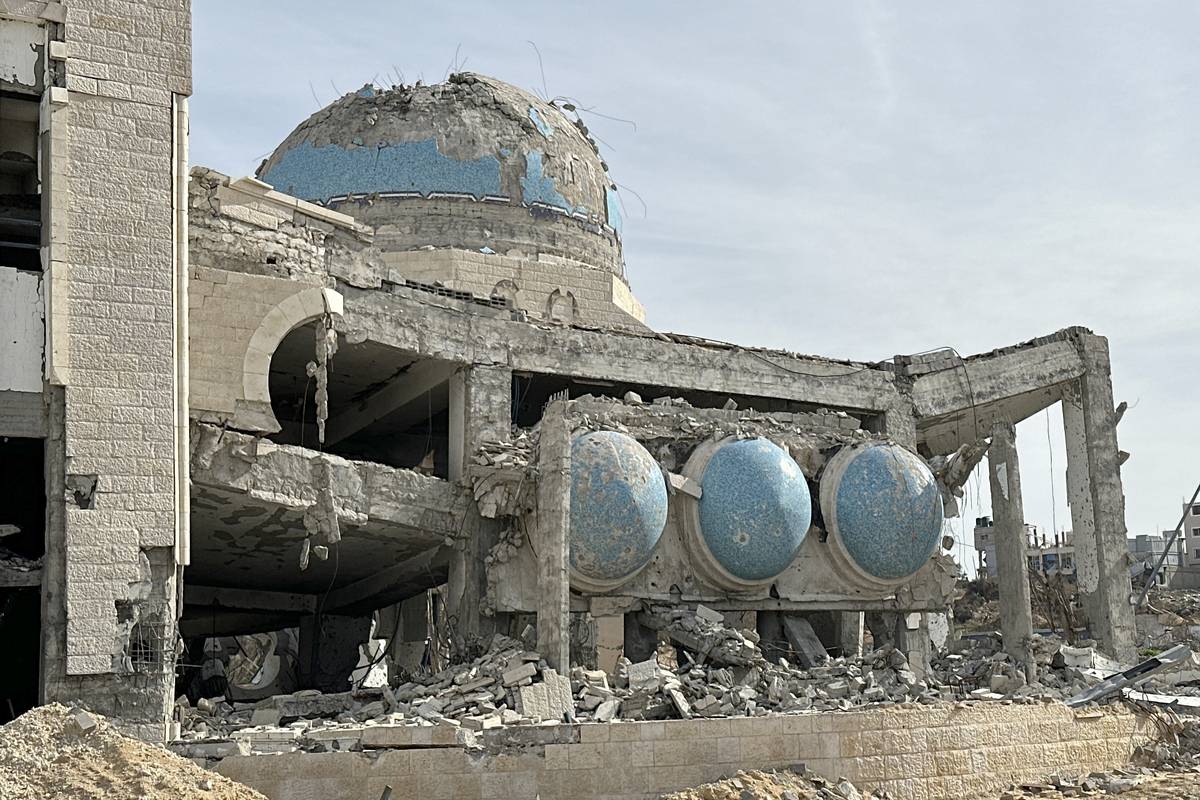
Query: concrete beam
248, 599
391, 585
219, 622
959, 405
1008, 514
406, 388
23, 414
11, 578
992, 378
433, 331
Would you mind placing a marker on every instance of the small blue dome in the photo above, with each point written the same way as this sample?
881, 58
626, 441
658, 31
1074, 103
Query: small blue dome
618, 505
888, 510
755, 509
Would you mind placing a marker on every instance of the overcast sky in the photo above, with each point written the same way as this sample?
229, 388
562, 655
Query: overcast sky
853, 179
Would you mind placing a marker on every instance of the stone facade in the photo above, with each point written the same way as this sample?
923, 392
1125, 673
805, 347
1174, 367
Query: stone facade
117, 138
960, 752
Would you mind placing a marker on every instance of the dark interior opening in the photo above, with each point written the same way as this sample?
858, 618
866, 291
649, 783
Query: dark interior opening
21, 633
384, 405
20, 187
22, 543
531, 392
24, 503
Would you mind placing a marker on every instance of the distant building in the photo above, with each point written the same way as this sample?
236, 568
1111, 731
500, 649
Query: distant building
1145, 551
1190, 535
1047, 555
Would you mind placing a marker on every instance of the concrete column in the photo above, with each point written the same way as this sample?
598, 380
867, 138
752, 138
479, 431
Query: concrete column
551, 537
480, 410
850, 633
1079, 498
1008, 515
913, 639
1096, 496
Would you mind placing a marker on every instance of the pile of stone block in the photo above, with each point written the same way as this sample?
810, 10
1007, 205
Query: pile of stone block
505, 686
979, 668
703, 668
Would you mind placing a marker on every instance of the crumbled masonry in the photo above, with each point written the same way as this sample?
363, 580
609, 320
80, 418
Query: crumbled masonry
759, 785
714, 671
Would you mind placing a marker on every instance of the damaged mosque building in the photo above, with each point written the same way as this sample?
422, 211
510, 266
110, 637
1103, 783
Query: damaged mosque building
394, 395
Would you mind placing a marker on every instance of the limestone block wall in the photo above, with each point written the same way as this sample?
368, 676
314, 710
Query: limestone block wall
237, 320
923, 753
597, 297
114, 135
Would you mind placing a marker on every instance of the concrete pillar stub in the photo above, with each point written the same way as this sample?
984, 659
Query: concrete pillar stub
850, 633
1008, 513
551, 537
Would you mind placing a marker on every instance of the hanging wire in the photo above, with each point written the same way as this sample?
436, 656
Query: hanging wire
1053, 493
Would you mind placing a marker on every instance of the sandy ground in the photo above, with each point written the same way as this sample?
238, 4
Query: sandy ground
44, 754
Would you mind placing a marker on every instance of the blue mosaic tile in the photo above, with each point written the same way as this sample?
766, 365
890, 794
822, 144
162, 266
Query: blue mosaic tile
319, 173
618, 505
889, 511
755, 509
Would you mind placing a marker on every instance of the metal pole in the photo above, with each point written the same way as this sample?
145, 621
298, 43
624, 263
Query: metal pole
1171, 543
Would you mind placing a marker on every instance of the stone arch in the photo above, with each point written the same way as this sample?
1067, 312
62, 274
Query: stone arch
289, 314
561, 307
506, 290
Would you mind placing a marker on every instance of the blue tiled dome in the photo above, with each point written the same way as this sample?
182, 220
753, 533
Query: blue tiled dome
755, 509
618, 506
885, 507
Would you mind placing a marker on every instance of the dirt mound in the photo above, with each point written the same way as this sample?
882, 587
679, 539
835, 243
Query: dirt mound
758, 785
51, 752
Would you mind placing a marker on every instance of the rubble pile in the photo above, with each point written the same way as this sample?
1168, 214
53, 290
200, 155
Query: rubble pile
514, 452
1183, 604
756, 785
1134, 783
1177, 748
703, 668
725, 673
978, 667
55, 751
506, 685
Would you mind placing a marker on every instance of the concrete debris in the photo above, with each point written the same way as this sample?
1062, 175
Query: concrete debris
782, 785
804, 641
977, 667
1132, 676
704, 668
81, 722
1132, 782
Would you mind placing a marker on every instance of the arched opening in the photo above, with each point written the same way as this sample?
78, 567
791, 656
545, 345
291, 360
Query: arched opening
384, 405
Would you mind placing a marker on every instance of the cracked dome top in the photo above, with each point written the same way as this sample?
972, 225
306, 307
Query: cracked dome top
472, 163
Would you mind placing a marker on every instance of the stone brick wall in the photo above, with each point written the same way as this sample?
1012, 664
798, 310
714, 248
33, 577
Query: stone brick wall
111, 560
226, 308
601, 298
924, 753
